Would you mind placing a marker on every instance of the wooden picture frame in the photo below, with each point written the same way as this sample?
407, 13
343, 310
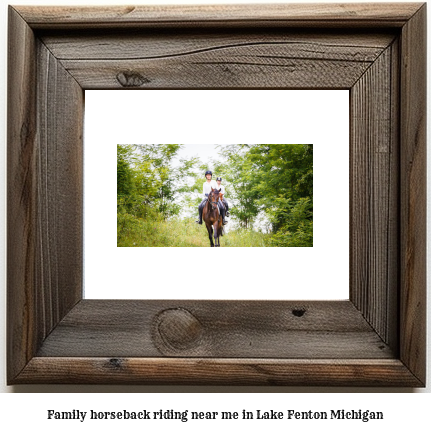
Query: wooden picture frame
376, 338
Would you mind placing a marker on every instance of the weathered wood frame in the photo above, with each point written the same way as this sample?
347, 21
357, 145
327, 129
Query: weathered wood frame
376, 338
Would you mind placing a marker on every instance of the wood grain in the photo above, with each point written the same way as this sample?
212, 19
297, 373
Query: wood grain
373, 194
247, 66
45, 105
21, 194
59, 244
377, 338
218, 60
141, 44
413, 194
197, 371
241, 329
300, 15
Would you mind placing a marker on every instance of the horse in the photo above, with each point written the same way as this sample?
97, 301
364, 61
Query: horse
212, 217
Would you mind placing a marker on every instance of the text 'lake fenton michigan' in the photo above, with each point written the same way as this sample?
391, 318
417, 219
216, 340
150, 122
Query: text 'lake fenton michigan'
186, 415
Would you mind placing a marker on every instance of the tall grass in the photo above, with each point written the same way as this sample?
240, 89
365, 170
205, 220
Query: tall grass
134, 232
245, 238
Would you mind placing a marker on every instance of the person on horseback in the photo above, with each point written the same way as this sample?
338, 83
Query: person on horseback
222, 191
208, 185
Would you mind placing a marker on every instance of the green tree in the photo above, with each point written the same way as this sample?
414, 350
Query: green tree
148, 180
126, 188
276, 179
272, 183
238, 178
283, 175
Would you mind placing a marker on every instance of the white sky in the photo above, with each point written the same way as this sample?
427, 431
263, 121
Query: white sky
205, 152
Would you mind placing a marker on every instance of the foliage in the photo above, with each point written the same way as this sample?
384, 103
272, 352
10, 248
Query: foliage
276, 179
155, 178
177, 232
147, 180
157, 194
297, 229
236, 171
126, 190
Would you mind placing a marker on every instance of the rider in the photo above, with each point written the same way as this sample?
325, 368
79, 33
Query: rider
222, 191
206, 191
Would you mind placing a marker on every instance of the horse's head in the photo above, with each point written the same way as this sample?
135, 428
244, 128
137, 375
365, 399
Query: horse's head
214, 197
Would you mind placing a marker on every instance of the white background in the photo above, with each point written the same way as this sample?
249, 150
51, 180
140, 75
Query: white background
404, 411
320, 118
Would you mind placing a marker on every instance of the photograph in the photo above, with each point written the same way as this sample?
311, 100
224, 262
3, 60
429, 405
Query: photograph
230, 195
324, 287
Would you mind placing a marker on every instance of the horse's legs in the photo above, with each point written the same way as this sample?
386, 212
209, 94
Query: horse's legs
210, 235
220, 230
216, 236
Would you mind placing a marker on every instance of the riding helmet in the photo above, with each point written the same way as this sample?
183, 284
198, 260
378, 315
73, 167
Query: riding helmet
219, 178
208, 172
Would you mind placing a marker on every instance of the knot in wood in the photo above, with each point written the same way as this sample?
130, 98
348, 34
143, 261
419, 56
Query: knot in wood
131, 79
115, 363
298, 312
178, 329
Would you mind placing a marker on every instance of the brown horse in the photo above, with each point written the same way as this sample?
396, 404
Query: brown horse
212, 217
